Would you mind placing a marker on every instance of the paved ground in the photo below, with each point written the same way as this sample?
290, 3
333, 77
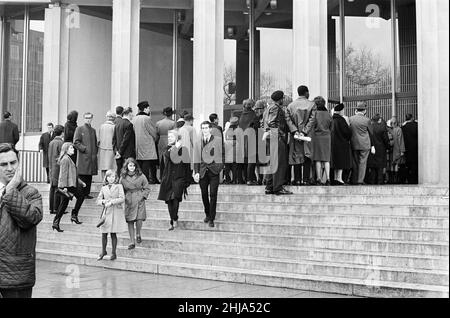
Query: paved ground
60, 280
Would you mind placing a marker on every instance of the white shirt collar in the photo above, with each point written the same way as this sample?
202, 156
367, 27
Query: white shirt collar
2, 187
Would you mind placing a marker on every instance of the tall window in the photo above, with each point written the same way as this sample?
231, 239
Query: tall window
13, 30
23, 28
372, 55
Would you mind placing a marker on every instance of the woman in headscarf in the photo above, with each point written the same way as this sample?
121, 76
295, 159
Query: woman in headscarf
341, 136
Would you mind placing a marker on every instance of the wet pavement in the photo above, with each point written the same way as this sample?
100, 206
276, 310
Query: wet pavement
61, 280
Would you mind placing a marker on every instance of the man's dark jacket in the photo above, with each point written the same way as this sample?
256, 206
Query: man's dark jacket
9, 132
124, 139
20, 213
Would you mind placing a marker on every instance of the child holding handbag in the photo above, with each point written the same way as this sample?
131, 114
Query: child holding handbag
111, 197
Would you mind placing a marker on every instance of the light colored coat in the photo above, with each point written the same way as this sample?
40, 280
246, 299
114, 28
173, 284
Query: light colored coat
361, 132
115, 217
106, 153
136, 192
146, 135
298, 115
162, 130
67, 173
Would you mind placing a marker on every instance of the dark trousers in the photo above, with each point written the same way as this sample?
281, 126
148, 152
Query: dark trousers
47, 170
251, 172
148, 168
173, 206
303, 172
276, 181
412, 173
210, 199
79, 196
375, 176
227, 171
119, 163
241, 172
54, 199
88, 180
16, 293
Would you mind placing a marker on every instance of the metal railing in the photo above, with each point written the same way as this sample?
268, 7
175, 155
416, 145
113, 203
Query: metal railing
31, 164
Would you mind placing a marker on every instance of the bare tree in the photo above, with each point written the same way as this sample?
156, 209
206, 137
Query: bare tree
229, 78
363, 67
267, 84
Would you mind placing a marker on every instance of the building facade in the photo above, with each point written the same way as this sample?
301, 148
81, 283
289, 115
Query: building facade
208, 56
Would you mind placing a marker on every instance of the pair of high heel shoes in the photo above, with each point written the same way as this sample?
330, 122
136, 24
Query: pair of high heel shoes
74, 219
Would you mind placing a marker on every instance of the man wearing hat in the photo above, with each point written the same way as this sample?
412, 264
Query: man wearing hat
299, 113
162, 131
361, 143
275, 122
146, 153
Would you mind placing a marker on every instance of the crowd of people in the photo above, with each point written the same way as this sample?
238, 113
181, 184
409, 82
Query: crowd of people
303, 143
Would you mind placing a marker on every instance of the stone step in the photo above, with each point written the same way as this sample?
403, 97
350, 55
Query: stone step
320, 199
368, 288
267, 251
297, 208
317, 230
377, 245
385, 190
294, 218
401, 275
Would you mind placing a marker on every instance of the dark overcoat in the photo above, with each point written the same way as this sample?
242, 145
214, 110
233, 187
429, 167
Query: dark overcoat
380, 141
54, 150
341, 136
411, 138
124, 139
85, 141
44, 143
176, 176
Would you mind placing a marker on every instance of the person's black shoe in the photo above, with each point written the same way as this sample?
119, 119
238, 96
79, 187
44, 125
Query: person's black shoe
260, 182
211, 223
328, 183
206, 220
52, 212
283, 192
88, 197
56, 227
269, 192
252, 183
75, 220
297, 183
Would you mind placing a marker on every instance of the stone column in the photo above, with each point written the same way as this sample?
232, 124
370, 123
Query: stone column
56, 65
125, 53
433, 90
310, 46
208, 59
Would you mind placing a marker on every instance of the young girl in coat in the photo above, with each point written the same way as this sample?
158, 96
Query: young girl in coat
111, 197
176, 176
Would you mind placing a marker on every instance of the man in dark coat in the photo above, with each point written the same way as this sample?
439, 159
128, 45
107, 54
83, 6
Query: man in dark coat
69, 130
248, 120
20, 213
124, 140
54, 150
378, 161
208, 158
275, 124
85, 141
9, 131
411, 138
44, 142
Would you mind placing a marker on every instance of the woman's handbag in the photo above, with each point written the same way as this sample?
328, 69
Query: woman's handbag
102, 217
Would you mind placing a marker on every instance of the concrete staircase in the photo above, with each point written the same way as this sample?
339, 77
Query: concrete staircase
363, 241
